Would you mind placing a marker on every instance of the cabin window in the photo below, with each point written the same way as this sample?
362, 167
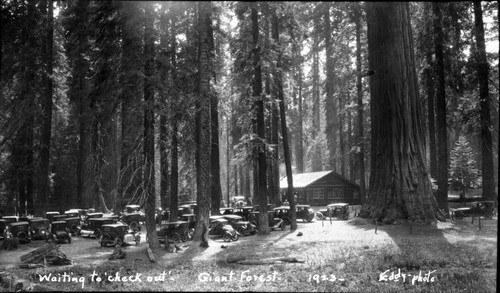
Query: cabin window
338, 193
318, 194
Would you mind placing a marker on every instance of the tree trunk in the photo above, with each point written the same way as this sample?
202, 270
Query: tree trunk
442, 135
216, 193
399, 184
317, 160
284, 131
487, 171
174, 175
258, 110
331, 126
360, 108
131, 96
43, 189
203, 165
165, 82
149, 130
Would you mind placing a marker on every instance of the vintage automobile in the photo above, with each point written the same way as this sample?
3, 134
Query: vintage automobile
244, 228
477, 209
74, 225
20, 230
334, 210
50, 215
92, 227
227, 211
304, 212
283, 212
274, 222
221, 228
59, 218
59, 232
118, 234
39, 227
10, 219
93, 216
190, 218
133, 220
174, 231
72, 213
190, 208
244, 212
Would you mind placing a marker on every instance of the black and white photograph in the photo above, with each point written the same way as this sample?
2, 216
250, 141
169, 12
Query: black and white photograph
268, 146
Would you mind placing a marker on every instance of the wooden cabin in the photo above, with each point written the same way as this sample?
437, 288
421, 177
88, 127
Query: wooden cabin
322, 188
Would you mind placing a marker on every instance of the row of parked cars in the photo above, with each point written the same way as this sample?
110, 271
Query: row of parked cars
111, 229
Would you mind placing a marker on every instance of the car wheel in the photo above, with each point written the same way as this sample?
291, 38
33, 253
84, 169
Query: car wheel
459, 215
22, 236
319, 216
133, 225
307, 218
226, 237
176, 238
345, 217
97, 233
235, 237
241, 230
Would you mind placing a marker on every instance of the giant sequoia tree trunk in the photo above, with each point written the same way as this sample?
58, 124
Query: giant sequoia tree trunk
258, 109
399, 185
487, 171
442, 138
149, 130
174, 175
203, 125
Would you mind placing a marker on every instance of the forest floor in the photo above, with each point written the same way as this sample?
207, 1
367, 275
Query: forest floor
336, 256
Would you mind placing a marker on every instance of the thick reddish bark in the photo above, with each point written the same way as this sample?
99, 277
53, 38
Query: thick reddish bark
399, 185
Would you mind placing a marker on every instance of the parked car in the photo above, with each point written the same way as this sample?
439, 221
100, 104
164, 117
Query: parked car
93, 226
304, 212
50, 215
132, 208
133, 220
59, 218
190, 208
227, 211
40, 228
282, 212
273, 221
244, 228
221, 228
94, 215
334, 210
19, 230
59, 232
190, 218
175, 232
118, 234
74, 225
10, 219
72, 213
481, 208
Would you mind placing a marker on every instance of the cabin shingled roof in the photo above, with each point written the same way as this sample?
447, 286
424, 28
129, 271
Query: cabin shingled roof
304, 179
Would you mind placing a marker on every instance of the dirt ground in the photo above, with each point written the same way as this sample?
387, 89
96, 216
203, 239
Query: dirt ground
321, 243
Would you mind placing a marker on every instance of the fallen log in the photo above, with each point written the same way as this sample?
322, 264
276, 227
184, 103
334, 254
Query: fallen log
269, 261
42, 250
151, 256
